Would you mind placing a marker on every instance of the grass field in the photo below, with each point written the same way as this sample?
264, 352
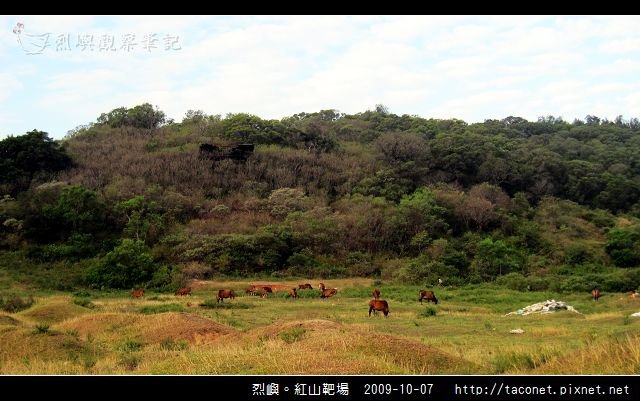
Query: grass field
466, 333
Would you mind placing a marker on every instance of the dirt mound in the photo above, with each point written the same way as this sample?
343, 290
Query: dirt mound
413, 355
9, 321
54, 311
344, 350
25, 343
150, 329
275, 329
182, 326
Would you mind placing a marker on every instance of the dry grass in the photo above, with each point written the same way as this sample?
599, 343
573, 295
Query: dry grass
620, 355
313, 336
147, 329
54, 310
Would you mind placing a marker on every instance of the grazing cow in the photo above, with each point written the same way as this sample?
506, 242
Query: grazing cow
306, 286
321, 286
634, 294
595, 294
376, 293
138, 293
328, 292
263, 291
293, 293
428, 295
222, 294
379, 305
252, 289
184, 291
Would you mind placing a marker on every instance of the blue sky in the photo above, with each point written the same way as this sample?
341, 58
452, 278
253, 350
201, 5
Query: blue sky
468, 67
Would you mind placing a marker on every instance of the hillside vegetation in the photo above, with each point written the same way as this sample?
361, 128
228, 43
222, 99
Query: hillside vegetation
130, 201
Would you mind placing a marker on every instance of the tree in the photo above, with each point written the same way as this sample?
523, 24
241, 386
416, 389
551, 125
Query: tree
623, 246
25, 157
141, 216
495, 258
128, 265
401, 147
141, 116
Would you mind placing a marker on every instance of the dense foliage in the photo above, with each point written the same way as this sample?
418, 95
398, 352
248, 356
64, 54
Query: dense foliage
546, 203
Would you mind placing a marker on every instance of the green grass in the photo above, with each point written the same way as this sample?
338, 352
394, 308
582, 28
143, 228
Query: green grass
214, 304
292, 335
148, 310
84, 302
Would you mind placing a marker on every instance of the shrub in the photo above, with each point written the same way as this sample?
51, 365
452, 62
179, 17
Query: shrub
84, 302
170, 345
41, 329
126, 266
130, 346
428, 312
13, 304
513, 281
623, 246
292, 335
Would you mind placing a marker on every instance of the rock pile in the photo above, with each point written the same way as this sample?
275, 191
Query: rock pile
544, 307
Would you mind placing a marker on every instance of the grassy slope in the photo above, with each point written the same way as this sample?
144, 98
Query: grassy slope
468, 335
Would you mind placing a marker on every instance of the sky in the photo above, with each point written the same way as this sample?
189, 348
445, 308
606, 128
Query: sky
59, 72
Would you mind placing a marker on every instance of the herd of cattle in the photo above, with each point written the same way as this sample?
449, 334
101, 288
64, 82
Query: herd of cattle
375, 305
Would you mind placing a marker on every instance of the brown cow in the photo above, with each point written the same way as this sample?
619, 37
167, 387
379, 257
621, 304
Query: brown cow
428, 295
634, 294
184, 291
293, 293
138, 293
321, 286
263, 291
328, 292
306, 286
222, 294
379, 305
376, 293
595, 294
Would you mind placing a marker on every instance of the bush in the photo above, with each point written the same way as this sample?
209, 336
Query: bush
131, 346
170, 345
84, 302
292, 335
428, 312
41, 329
13, 304
513, 281
126, 266
578, 254
623, 246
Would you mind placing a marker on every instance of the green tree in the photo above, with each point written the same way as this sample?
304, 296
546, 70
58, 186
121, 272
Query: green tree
142, 217
59, 212
127, 265
25, 157
495, 258
623, 246
141, 116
